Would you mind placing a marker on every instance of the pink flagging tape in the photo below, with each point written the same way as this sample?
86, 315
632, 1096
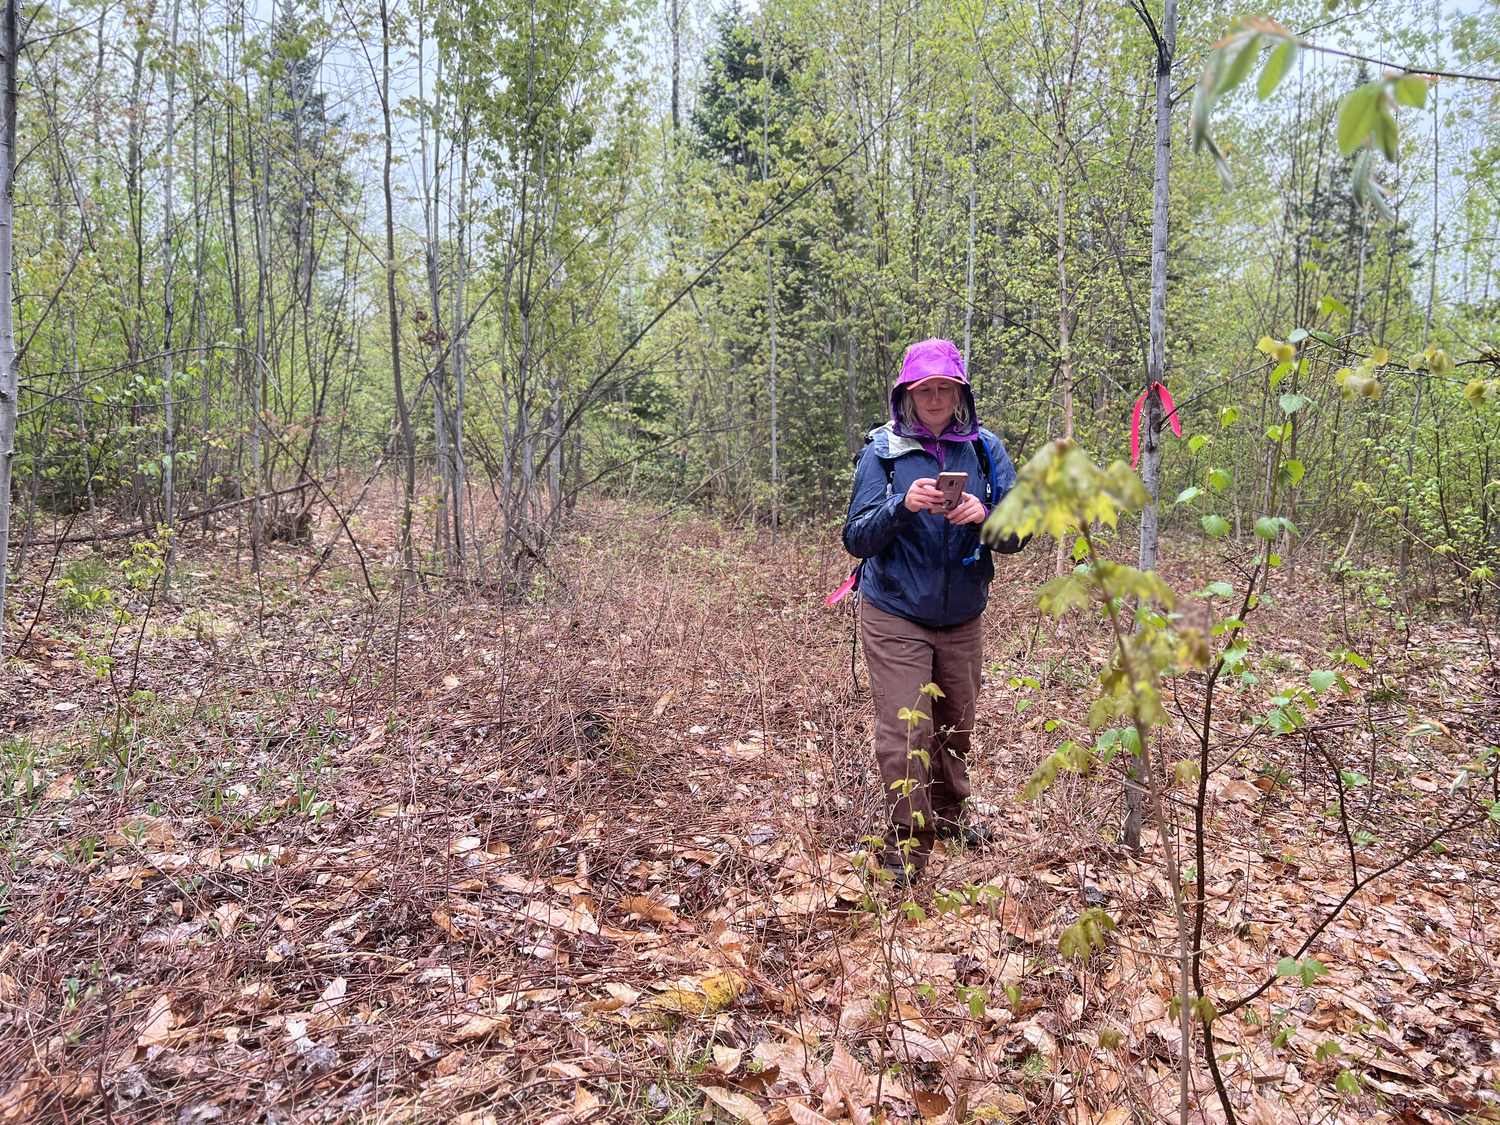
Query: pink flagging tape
1135, 421
838, 594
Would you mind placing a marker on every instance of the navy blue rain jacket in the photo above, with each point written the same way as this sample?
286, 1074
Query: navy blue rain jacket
917, 564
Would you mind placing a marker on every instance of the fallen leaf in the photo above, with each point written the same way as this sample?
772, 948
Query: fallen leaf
805, 1115
477, 1027
158, 1028
700, 997
450, 681
736, 1103
727, 1058
1115, 1115
332, 996
743, 751
1010, 1104
931, 1105
584, 1100
648, 910
226, 916
1240, 791
63, 788
18, 1101
757, 1081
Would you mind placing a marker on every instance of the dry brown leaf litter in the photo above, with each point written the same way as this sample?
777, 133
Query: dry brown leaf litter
599, 862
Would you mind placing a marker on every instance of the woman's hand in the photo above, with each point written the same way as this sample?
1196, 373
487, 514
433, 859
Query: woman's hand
924, 496
970, 510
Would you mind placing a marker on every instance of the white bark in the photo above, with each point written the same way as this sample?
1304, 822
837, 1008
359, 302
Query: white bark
1156, 361
1151, 419
169, 312
9, 375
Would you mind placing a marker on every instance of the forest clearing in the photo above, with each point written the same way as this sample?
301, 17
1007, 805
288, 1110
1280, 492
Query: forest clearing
844, 561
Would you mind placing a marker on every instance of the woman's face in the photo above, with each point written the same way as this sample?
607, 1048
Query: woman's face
936, 400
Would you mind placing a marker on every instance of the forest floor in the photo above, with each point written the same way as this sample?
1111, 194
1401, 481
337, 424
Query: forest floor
597, 856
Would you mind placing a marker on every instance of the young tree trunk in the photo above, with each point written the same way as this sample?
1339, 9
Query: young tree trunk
765, 156
1156, 363
973, 186
402, 412
169, 310
460, 347
9, 375
675, 18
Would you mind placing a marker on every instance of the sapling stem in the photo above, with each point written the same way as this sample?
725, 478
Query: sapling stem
1174, 881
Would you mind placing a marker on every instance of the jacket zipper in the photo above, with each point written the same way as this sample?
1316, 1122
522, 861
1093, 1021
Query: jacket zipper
946, 566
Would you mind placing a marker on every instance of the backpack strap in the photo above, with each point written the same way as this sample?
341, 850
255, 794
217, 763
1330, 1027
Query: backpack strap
886, 463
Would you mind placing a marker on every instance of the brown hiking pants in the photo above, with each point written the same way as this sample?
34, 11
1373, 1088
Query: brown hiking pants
904, 657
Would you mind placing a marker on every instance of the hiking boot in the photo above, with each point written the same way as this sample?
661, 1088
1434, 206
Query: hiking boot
971, 836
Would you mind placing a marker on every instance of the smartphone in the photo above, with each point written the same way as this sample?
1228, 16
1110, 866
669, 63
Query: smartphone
951, 485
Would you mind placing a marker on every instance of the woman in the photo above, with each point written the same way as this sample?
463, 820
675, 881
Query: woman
924, 582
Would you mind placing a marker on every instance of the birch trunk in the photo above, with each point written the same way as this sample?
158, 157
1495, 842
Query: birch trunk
9, 375
392, 309
1156, 360
169, 311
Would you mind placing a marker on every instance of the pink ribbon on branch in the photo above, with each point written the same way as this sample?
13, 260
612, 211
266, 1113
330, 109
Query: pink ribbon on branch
838, 594
1135, 422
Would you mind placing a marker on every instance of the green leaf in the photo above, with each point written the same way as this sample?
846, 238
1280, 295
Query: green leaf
1322, 681
1218, 479
1266, 528
1353, 780
1061, 595
1327, 1049
1296, 470
1366, 188
1331, 305
1291, 403
1310, 971
1220, 164
1220, 589
1228, 416
1042, 777
1385, 133
1196, 442
1215, 525
1187, 494
1276, 68
1287, 967
1280, 721
1347, 1083
1358, 114
1280, 372
1297, 336
1324, 337
1410, 90
1239, 63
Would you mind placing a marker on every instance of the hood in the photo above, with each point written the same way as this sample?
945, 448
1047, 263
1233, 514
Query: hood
926, 360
